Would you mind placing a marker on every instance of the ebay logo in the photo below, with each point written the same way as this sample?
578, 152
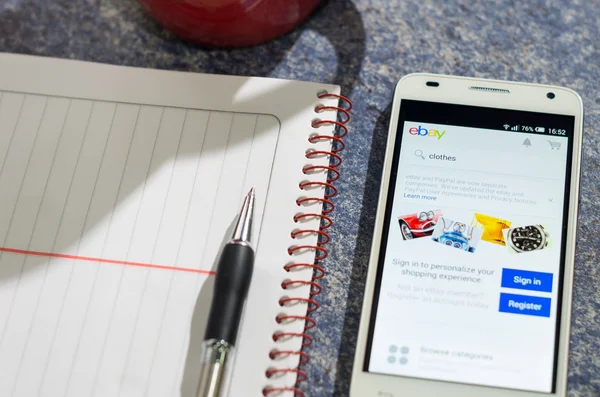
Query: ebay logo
425, 132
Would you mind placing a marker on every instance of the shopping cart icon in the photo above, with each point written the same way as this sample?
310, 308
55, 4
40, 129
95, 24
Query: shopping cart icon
554, 145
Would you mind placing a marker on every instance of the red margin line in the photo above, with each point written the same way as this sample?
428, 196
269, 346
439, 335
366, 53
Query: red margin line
102, 260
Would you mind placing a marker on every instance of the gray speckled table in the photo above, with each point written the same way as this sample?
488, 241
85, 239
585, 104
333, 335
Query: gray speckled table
366, 46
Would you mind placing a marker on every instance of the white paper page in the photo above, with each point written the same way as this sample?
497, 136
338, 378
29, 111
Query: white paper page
113, 212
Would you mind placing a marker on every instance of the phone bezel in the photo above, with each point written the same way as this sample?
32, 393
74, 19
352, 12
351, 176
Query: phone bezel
455, 90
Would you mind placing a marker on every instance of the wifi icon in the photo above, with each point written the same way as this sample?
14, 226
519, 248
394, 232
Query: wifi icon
506, 126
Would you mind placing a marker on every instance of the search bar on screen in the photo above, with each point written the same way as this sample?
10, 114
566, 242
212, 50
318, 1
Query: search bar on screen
528, 164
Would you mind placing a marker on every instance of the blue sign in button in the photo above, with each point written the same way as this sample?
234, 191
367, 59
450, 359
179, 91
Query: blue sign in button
525, 279
522, 304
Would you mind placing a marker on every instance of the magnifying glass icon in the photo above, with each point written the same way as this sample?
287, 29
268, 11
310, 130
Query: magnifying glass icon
419, 153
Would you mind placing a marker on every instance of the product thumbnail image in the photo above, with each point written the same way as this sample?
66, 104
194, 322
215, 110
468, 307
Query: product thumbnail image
526, 238
418, 224
457, 234
492, 228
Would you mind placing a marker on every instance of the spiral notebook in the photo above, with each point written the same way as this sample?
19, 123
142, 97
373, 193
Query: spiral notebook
118, 186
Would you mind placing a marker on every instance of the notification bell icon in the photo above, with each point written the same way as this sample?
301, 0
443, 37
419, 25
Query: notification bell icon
527, 142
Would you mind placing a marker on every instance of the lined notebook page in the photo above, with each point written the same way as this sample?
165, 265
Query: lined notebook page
118, 187
123, 183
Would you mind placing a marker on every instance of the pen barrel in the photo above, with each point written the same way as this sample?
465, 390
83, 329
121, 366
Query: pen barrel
216, 369
232, 281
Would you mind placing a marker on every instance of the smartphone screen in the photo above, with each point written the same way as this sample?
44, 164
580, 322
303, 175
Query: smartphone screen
470, 270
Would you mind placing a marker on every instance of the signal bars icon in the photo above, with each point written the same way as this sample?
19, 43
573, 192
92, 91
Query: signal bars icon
513, 128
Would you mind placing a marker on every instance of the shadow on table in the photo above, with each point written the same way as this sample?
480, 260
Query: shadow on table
193, 361
361, 257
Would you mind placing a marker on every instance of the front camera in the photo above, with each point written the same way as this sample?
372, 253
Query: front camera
551, 95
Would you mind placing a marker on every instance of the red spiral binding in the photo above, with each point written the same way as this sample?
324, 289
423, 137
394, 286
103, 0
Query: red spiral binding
267, 391
335, 139
312, 153
320, 256
321, 233
308, 168
307, 339
333, 189
299, 217
314, 290
287, 301
277, 354
325, 202
320, 252
319, 271
284, 319
273, 372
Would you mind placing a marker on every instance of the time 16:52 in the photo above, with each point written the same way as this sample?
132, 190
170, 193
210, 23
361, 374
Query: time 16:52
556, 131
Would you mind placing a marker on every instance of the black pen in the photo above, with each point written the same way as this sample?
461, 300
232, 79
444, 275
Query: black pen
234, 272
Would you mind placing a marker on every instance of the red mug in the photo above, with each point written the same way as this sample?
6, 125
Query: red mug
229, 23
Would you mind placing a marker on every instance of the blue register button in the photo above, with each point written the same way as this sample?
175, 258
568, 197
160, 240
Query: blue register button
524, 279
522, 304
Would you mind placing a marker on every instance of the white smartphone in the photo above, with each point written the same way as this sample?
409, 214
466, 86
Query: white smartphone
468, 292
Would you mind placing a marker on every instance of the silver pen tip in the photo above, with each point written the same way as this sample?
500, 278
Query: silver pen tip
243, 228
